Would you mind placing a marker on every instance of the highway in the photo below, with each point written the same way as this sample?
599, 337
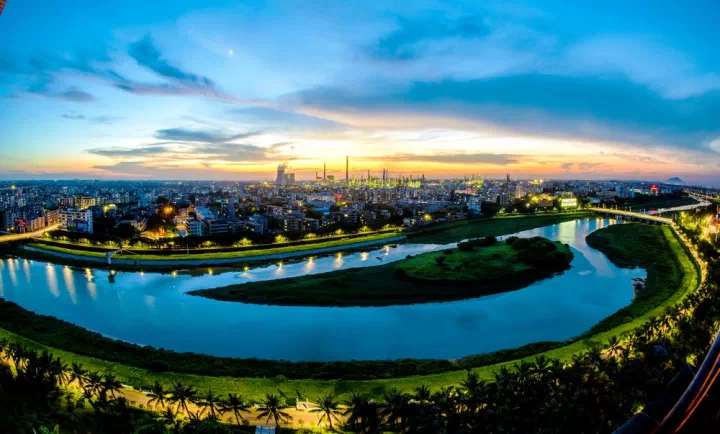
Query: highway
26, 236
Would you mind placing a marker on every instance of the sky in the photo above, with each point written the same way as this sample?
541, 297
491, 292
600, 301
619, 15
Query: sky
227, 90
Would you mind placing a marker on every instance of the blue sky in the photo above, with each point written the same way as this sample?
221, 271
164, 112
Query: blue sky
228, 90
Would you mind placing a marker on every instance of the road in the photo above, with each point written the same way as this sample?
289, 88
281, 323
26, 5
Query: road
26, 236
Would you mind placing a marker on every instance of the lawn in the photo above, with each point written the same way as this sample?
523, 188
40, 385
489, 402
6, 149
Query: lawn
221, 255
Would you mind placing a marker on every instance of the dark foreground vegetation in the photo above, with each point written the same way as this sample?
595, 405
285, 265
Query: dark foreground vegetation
594, 392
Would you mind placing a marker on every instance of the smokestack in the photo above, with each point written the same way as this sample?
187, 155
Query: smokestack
324, 171
347, 170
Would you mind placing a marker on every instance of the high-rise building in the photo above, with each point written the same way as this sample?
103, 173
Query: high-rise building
280, 180
347, 170
76, 220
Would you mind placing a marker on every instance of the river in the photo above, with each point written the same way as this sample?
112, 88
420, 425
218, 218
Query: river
154, 309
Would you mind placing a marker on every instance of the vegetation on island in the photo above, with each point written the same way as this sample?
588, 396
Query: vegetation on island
489, 264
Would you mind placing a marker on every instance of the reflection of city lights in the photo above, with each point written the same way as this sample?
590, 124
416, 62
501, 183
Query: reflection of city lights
174, 273
363, 256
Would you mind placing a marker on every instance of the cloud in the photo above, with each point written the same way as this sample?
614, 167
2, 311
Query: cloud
146, 54
117, 152
457, 158
235, 152
284, 120
72, 94
72, 116
188, 135
413, 35
93, 120
613, 110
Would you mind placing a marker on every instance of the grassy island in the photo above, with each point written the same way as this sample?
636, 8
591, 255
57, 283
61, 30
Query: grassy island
481, 270
489, 263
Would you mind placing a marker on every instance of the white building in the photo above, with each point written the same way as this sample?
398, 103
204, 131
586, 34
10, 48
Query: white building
76, 221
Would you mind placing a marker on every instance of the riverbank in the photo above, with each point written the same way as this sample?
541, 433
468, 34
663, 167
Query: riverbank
489, 270
205, 259
54, 338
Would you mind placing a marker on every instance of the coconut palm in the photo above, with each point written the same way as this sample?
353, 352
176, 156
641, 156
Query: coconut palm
328, 409
157, 395
273, 408
78, 374
170, 419
422, 394
236, 404
93, 384
110, 384
211, 402
396, 408
182, 396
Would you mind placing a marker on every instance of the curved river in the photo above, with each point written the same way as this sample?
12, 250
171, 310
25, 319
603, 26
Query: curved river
153, 309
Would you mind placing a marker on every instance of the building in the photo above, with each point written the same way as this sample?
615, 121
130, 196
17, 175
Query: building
280, 179
52, 217
75, 220
35, 223
215, 228
84, 202
194, 228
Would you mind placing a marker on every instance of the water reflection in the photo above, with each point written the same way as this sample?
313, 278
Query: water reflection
152, 308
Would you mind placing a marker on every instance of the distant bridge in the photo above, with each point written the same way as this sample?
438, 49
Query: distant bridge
629, 215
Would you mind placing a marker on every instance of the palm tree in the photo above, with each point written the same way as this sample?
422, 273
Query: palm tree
211, 401
170, 419
236, 404
361, 411
182, 395
396, 407
111, 384
93, 383
273, 408
612, 347
328, 407
78, 373
157, 395
422, 394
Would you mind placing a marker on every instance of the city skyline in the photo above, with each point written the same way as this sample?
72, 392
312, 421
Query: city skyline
231, 90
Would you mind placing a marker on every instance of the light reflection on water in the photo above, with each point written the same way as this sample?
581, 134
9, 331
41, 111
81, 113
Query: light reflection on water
153, 309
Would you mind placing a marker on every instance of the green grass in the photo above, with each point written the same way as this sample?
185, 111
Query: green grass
220, 255
627, 246
485, 227
255, 388
490, 264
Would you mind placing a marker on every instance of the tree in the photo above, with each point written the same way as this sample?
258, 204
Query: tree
328, 409
157, 395
273, 408
111, 384
236, 404
211, 402
182, 396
